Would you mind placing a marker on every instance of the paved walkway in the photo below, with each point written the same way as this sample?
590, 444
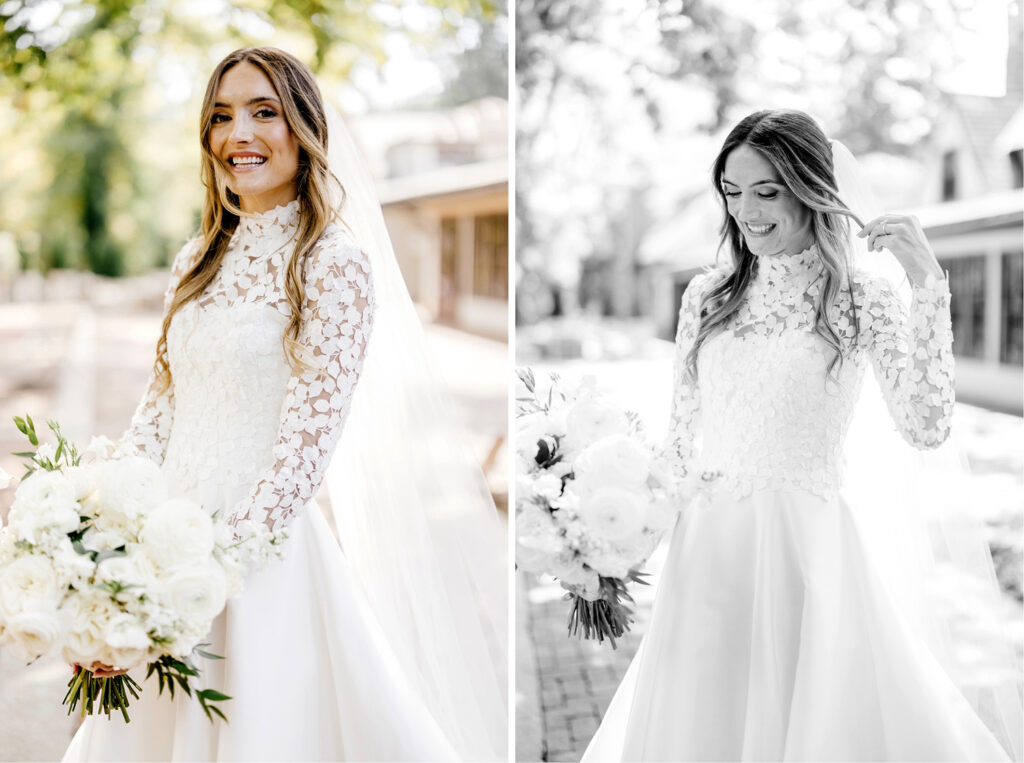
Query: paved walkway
565, 685
86, 364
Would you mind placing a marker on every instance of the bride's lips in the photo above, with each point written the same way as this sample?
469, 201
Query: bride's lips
246, 161
758, 230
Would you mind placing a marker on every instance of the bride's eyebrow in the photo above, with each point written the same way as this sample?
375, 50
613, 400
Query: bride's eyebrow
759, 182
250, 102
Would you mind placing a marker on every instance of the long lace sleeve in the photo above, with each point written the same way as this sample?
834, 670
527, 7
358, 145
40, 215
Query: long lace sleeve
337, 316
151, 424
912, 356
680, 442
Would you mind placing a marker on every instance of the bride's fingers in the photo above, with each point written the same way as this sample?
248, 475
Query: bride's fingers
870, 225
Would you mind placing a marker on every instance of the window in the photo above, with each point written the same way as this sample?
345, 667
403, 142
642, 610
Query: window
1017, 167
949, 175
490, 256
967, 285
1011, 344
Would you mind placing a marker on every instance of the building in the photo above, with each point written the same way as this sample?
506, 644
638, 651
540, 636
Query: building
442, 178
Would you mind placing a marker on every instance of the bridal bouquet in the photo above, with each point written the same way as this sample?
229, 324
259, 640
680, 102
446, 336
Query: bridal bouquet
98, 563
592, 500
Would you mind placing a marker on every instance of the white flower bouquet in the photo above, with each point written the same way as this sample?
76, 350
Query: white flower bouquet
100, 564
593, 499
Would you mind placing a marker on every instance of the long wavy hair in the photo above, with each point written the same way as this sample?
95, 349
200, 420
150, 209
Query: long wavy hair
802, 155
316, 189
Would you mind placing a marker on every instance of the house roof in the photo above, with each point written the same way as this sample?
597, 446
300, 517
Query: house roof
995, 210
444, 181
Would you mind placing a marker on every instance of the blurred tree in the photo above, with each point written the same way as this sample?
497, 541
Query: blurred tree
108, 144
618, 99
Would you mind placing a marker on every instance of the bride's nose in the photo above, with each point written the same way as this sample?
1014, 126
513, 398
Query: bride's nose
241, 130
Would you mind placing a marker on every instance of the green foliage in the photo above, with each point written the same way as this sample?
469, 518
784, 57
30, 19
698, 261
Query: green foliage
105, 186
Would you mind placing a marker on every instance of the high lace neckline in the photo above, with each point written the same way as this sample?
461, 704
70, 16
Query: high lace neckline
801, 267
281, 220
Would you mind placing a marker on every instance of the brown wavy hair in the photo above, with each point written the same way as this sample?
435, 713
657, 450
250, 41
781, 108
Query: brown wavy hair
316, 187
802, 155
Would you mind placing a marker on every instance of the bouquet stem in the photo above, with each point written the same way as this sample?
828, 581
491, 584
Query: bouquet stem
607, 617
111, 693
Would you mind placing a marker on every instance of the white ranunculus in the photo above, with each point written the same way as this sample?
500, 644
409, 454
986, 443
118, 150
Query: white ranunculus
29, 584
616, 460
197, 593
44, 501
6, 480
177, 532
127, 641
613, 513
590, 420
127, 489
572, 572
30, 635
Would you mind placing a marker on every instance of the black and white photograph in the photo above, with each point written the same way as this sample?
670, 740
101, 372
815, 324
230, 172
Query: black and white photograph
768, 479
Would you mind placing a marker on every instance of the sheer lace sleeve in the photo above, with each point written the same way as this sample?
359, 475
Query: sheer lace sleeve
337, 316
912, 356
680, 444
151, 423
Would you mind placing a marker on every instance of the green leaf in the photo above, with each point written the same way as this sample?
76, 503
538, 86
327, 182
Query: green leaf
25, 454
212, 695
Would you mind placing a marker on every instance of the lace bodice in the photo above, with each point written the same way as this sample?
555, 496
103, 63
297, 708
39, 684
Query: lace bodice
240, 430
763, 411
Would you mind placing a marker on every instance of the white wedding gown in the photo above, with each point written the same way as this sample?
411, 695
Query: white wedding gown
773, 636
309, 671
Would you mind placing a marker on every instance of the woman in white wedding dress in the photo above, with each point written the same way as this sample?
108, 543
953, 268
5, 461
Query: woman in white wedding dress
270, 315
773, 634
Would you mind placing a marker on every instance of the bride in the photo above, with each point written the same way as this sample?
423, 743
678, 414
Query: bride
774, 633
286, 321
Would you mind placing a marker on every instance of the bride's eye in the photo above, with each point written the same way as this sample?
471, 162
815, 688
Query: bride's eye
769, 195
216, 119
265, 113
731, 194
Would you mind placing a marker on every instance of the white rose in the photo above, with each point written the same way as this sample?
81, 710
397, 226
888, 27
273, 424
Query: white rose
613, 513
82, 483
197, 593
99, 540
100, 448
548, 487
177, 532
127, 641
89, 613
71, 567
46, 452
616, 460
44, 501
132, 569
31, 635
572, 572
28, 584
589, 420
127, 489
538, 540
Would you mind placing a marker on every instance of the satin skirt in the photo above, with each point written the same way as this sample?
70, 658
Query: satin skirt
309, 671
773, 638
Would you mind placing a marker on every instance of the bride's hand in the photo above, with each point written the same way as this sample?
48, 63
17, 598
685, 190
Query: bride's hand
903, 236
100, 670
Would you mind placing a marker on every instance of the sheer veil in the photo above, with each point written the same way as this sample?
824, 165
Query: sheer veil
415, 517
917, 515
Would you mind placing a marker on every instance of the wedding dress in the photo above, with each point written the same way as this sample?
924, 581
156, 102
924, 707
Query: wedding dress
309, 669
773, 635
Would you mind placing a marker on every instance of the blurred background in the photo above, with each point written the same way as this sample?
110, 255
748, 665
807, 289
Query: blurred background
99, 188
621, 109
